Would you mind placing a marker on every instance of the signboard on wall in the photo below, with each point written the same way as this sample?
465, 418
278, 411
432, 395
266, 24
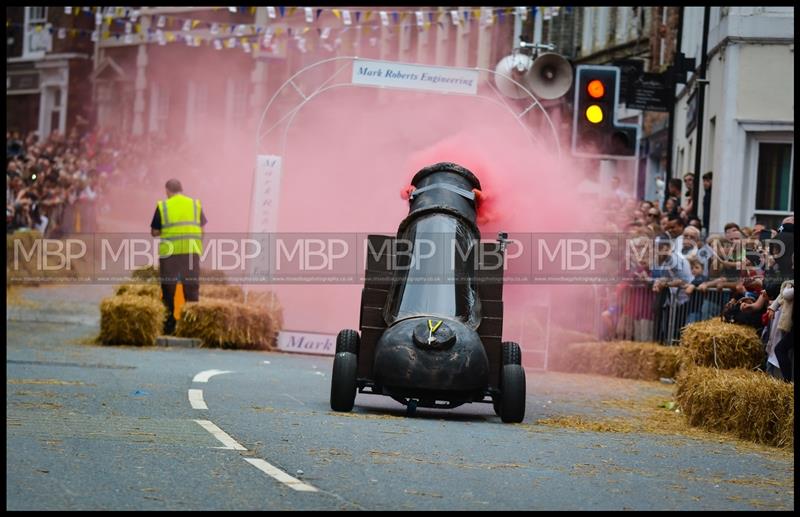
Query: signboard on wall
307, 343
415, 77
651, 92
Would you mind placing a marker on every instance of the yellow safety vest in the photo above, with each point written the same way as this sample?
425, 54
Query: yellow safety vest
180, 226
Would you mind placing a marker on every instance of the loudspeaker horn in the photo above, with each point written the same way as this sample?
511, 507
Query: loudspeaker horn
550, 76
514, 66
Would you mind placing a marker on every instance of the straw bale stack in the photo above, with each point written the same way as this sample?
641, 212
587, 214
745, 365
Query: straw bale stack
715, 343
151, 290
232, 293
269, 301
626, 359
751, 405
146, 274
131, 320
228, 324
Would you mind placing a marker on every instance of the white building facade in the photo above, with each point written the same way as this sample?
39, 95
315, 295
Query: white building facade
748, 119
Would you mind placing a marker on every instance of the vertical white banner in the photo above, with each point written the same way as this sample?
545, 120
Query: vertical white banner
264, 212
266, 188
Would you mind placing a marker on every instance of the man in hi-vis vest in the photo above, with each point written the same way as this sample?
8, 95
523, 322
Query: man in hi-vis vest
178, 221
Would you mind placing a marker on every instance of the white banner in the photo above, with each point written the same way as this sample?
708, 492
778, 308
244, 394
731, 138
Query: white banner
307, 343
266, 188
264, 210
416, 77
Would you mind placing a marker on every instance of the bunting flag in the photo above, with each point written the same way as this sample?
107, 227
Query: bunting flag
121, 23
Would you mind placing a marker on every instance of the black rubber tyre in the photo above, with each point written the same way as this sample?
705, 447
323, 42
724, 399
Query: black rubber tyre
347, 341
511, 353
343, 381
512, 403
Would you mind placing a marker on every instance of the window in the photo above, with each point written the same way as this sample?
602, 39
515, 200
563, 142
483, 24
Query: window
774, 184
37, 39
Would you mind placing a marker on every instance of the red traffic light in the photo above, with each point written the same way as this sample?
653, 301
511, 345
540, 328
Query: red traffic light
596, 88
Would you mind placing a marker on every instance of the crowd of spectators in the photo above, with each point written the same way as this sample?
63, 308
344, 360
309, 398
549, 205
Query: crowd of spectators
56, 185
678, 273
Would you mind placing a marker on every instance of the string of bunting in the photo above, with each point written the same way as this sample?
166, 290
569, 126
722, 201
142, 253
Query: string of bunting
125, 23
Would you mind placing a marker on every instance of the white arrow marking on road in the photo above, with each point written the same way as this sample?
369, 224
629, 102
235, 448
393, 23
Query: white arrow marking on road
280, 475
220, 435
204, 376
196, 399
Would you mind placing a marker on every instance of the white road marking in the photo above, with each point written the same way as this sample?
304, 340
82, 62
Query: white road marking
220, 435
267, 362
280, 475
196, 399
295, 399
204, 376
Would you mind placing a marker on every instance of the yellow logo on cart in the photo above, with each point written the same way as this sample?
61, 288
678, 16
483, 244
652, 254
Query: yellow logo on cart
431, 329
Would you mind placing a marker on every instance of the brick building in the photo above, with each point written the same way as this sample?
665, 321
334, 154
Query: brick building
168, 70
48, 62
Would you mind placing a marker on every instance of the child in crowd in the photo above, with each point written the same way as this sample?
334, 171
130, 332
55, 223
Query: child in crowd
695, 297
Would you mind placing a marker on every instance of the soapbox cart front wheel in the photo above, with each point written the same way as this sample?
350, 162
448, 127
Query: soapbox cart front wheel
345, 369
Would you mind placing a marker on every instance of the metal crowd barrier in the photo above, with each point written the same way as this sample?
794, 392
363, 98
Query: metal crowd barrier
639, 314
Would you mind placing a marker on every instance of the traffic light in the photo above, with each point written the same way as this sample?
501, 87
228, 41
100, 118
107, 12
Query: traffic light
595, 130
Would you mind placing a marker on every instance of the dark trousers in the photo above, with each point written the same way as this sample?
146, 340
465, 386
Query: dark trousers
784, 351
183, 268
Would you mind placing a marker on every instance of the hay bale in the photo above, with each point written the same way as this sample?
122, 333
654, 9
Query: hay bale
715, 343
751, 405
131, 320
151, 290
269, 301
151, 274
625, 359
146, 274
227, 324
222, 292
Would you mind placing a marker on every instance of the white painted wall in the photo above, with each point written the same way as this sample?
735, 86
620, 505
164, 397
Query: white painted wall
750, 95
766, 83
